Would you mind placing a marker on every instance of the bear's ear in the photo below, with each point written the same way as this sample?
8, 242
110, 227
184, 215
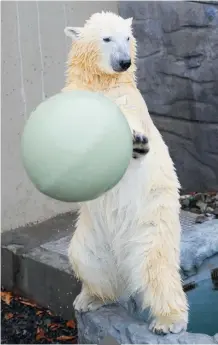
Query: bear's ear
129, 21
73, 32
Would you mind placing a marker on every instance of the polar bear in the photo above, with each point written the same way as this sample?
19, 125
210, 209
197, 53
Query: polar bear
127, 241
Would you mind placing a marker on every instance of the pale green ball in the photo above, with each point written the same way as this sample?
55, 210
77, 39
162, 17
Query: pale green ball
76, 146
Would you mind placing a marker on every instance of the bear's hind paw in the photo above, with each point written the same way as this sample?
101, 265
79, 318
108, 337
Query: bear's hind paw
85, 302
162, 328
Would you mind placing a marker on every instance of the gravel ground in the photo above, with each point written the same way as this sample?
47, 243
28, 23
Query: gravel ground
204, 205
23, 322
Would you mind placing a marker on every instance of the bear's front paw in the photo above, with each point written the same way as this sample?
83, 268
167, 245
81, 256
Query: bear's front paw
140, 145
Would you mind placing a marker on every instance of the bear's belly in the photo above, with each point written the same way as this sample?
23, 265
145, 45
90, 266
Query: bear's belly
114, 218
119, 209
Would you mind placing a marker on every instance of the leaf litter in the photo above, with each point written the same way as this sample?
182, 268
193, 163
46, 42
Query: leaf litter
23, 322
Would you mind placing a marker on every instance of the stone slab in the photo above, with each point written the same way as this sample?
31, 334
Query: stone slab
59, 246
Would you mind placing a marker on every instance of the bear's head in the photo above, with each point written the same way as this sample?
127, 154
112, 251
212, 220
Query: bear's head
104, 46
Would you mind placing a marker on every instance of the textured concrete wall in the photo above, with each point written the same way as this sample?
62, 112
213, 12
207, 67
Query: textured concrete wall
178, 77
34, 51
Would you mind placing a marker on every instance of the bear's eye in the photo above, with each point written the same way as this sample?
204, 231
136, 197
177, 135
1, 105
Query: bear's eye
106, 39
128, 38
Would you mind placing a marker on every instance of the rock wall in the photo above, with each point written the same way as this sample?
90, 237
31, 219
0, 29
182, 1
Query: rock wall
178, 77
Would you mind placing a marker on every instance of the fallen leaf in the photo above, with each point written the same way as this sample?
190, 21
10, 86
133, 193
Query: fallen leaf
53, 326
6, 297
49, 313
40, 334
65, 337
31, 304
9, 316
71, 324
39, 312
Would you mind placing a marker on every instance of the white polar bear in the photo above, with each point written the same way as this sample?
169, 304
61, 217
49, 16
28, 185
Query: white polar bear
127, 241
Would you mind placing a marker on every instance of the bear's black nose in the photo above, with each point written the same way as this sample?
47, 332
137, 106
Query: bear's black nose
125, 64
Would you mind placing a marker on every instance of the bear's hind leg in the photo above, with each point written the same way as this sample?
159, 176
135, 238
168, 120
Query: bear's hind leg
165, 296
92, 265
160, 281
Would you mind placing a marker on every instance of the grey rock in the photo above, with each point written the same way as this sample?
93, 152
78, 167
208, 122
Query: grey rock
178, 77
202, 205
185, 201
114, 320
216, 338
150, 33
197, 245
190, 15
195, 210
201, 219
209, 210
139, 10
210, 216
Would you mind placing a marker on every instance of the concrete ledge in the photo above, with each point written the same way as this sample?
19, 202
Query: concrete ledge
41, 274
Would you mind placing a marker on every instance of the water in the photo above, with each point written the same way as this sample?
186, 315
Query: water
203, 309
203, 312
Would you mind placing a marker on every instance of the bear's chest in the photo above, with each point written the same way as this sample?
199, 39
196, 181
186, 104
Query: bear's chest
127, 98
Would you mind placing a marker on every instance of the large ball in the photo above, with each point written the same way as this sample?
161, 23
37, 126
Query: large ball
76, 146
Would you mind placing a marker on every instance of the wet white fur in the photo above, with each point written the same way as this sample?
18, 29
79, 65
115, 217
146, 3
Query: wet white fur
127, 241
113, 27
